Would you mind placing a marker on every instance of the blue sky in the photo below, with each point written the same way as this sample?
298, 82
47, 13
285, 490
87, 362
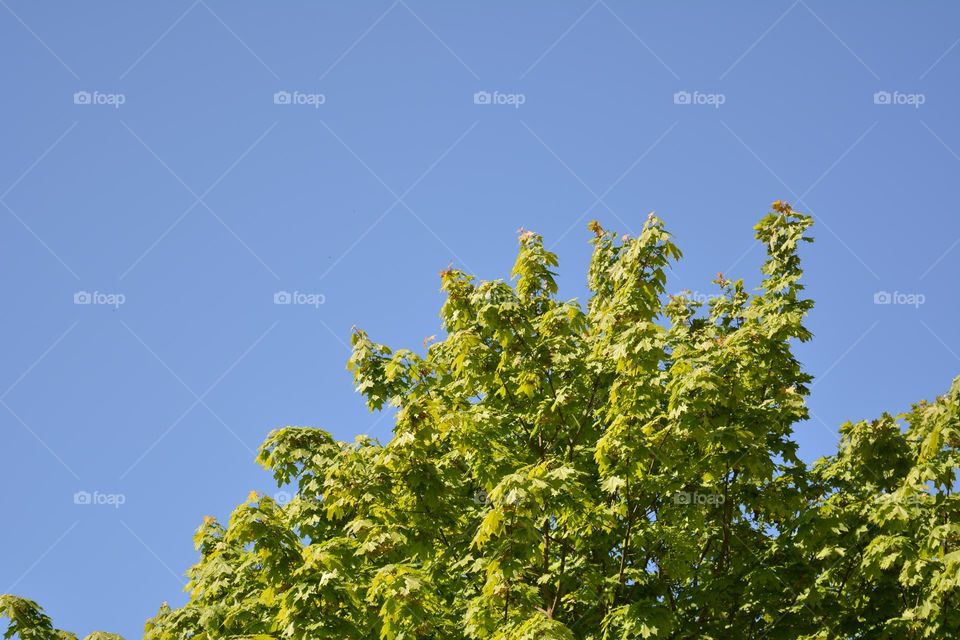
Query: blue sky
183, 162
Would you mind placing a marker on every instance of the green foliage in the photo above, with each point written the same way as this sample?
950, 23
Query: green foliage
26, 621
615, 471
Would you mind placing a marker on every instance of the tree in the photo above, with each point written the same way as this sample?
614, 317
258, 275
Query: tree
616, 471
27, 621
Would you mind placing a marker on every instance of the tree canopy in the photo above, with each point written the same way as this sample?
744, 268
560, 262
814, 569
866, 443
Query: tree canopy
619, 470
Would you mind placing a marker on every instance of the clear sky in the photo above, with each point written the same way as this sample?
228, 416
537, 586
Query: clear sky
183, 162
